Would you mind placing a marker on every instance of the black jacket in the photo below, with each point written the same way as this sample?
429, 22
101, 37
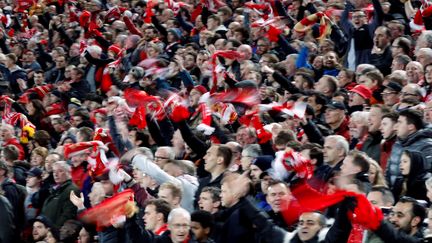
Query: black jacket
388, 233
372, 145
269, 232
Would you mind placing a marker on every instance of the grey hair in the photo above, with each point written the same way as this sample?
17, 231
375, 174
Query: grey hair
65, 166
169, 150
252, 150
179, 212
341, 142
361, 117
427, 35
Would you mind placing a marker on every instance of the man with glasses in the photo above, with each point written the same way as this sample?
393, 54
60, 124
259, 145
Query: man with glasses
163, 155
390, 93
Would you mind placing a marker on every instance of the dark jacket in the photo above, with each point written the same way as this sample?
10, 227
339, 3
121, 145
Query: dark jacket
136, 234
16, 195
269, 232
372, 145
415, 180
57, 207
7, 225
236, 228
419, 141
388, 233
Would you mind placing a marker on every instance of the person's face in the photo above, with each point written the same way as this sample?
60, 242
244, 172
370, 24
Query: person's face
358, 19
262, 47
355, 99
381, 40
330, 60
78, 159
430, 220
374, 120
200, 233
308, 226
227, 198
246, 161
38, 78
321, 85
366, 81
161, 157
277, 196
331, 152
255, 173
179, 227
372, 174
32, 181
414, 71
108, 187
151, 217
333, 116
84, 236
376, 199
265, 181
60, 62
401, 216
206, 202
243, 137
356, 129
348, 167
97, 194
194, 97
152, 52
390, 97
405, 164
318, 62
36, 160
39, 231
49, 161
428, 74
402, 127
211, 159
387, 128
6, 133
60, 174
189, 62
166, 194
30, 108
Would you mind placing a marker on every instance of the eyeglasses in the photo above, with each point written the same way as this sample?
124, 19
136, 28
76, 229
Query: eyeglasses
358, 16
160, 158
387, 93
407, 94
178, 226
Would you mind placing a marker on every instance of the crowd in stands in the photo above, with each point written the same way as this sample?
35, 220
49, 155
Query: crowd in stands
224, 121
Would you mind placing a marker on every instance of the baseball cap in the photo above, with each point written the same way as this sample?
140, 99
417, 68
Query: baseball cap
35, 172
394, 86
363, 91
336, 105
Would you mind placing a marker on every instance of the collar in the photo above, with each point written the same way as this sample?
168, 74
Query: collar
162, 229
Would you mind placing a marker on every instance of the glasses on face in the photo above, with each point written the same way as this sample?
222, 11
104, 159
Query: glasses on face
358, 16
178, 226
160, 158
407, 94
387, 93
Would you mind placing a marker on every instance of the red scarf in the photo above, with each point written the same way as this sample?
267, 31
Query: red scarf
162, 229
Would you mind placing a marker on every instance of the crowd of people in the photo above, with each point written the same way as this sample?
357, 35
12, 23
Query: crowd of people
215, 121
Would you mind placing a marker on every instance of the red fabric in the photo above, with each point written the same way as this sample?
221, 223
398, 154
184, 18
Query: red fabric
138, 118
180, 113
263, 135
101, 214
386, 149
104, 136
79, 174
247, 96
293, 161
131, 27
149, 12
162, 229
343, 129
273, 33
84, 18
356, 235
14, 142
229, 54
23, 5
196, 12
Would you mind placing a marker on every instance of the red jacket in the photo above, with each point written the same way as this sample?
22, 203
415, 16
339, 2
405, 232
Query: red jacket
343, 129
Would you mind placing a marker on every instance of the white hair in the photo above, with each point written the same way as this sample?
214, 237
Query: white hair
65, 166
341, 142
95, 50
169, 150
360, 117
178, 212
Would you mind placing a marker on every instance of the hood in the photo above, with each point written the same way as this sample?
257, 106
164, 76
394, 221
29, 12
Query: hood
423, 133
418, 164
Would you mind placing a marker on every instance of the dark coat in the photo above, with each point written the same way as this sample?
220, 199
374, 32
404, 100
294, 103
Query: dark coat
7, 225
57, 207
16, 195
416, 187
388, 233
372, 146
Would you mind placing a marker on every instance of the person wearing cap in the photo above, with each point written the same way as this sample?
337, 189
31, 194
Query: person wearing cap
390, 93
33, 185
259, 165
43, 229
373, 79
358, 97
336, 119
